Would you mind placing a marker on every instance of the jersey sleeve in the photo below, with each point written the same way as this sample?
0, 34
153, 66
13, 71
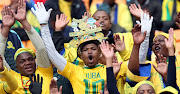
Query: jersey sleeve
144, 71
69, 71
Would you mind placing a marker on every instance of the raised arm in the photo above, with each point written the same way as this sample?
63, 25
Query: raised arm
10, 83
134, 58
41, 54
146, 24
8, 21
171, 74
111, 81
43, 16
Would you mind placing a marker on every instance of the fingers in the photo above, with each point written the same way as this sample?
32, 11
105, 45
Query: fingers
57, 17
60, 89
34, 78
38, 78
53, 83
30, 78
41, 81
49, 11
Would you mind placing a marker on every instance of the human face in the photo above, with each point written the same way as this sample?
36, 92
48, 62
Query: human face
90, 54
159, 46
145, 89
103, 17
26, 64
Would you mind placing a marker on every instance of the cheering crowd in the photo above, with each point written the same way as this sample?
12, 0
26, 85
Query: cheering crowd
113, 49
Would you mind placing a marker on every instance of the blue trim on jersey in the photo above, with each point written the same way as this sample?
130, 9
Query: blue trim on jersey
116, 15
22, 46
62, 52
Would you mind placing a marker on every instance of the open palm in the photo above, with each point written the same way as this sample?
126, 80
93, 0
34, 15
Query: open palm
137, 36
162, 67
21, 11
106, 51
7, 17
61, 22
119, 44
170, 41
135, 11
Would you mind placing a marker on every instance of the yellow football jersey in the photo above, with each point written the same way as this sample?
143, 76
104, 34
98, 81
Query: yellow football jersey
24, 82
85, 80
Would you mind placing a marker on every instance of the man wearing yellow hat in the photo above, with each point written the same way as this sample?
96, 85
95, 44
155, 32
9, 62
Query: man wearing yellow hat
25, 58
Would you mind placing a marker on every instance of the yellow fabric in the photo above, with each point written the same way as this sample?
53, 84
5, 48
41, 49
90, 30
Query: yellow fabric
155, 76
31, 18
123, 18
46, 73
2, 3
65, 7
121, 78
21, 50
128, 40
85, 80
167, 36
8, 83
142, 83
167, 9
169, 89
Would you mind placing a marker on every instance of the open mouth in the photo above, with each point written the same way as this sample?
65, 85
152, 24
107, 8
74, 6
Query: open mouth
90, 58
157, 48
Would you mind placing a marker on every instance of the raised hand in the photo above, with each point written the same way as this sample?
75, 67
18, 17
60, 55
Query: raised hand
106, 51
21, 11
146, 23
41, 13
116, 65
119, 44
54, 88
36, 86
61, 22
162, 67
178, 20
135, 11
1, 64
170, 42
137, 36
7, 17
88, 14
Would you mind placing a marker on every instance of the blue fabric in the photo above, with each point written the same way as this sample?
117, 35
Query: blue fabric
16, 42
116, 15
144, 71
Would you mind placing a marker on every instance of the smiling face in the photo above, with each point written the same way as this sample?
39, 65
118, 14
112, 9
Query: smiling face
26, 64
145, 89
90, 54
159, 46
104, 18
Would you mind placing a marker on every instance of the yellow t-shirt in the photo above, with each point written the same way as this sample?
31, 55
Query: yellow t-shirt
85, 80
24, 82
155, 77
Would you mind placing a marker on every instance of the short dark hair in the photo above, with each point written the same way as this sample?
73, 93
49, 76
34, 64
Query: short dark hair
104, 11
